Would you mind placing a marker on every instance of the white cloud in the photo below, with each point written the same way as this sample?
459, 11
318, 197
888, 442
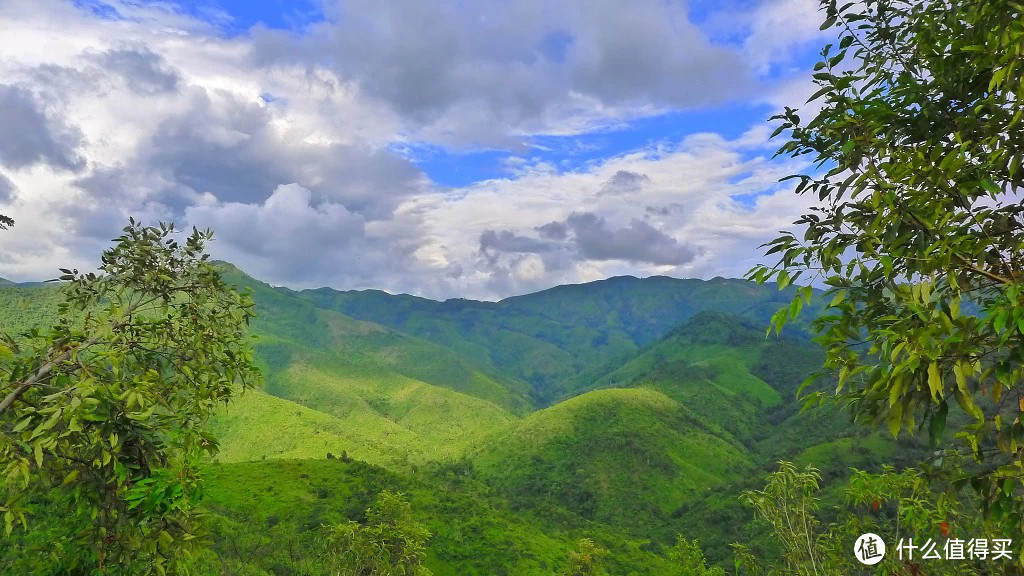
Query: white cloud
491, 228
289, 145
779, 29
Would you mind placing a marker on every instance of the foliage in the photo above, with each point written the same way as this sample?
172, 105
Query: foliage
895, 505
265, 518
6, 222
586, 560
919, 227
390, 543
787, 505
688, 560
103, 412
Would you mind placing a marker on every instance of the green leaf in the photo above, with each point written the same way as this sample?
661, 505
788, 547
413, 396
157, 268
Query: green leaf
895, 419
783, 280
935, 381
967, 405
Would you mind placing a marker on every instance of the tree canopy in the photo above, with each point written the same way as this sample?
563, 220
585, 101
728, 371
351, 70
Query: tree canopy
102, 413
917, 227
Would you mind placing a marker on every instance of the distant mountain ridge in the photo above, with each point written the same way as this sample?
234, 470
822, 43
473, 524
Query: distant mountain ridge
559, 339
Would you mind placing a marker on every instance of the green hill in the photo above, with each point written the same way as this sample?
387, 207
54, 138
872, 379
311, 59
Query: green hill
618, 456
287, 323
708, 365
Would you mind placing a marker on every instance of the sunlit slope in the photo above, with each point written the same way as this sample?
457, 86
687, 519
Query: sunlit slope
617, 456
256, 426
443, 422
711, 364
286, 323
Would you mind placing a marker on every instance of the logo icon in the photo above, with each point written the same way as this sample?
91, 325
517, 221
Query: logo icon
869, 549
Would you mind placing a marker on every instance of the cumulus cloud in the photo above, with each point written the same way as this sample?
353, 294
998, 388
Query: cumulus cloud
278, 236
142, 70
235, 149
466, 73
637, 242
507, 241
32, 134
590, 237
625, 182
294, 147
779, 29
554, 230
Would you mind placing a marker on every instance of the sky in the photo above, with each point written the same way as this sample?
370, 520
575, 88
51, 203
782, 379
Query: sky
450, 148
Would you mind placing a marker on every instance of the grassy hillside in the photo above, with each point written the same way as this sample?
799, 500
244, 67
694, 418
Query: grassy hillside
256, 426
618, 456
263, 517
433, 422
286, 323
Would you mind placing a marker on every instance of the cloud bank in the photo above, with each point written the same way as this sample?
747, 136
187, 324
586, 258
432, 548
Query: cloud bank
293, 145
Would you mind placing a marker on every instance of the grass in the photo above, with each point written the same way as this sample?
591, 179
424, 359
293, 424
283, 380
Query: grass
618, 456
263, 518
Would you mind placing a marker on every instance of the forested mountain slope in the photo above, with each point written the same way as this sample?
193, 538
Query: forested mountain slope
621, 410
563, 339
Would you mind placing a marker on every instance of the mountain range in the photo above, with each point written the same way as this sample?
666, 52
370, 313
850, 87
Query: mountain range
628, 410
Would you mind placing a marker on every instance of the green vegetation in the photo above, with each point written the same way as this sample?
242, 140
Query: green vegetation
657, 442
266, 517
389, 542
919, 230
103, 411
898, 504
559, 341
593, 453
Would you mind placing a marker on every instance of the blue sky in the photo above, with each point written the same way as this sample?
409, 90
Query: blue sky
447, 148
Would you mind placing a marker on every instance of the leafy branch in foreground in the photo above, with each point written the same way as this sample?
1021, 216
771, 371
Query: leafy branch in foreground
893, 505
102, 413
918, 229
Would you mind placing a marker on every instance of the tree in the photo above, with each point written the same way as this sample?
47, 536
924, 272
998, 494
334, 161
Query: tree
893, 505
390, 543
587, 559
102, 414
688, 558
6, 222
918, 228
